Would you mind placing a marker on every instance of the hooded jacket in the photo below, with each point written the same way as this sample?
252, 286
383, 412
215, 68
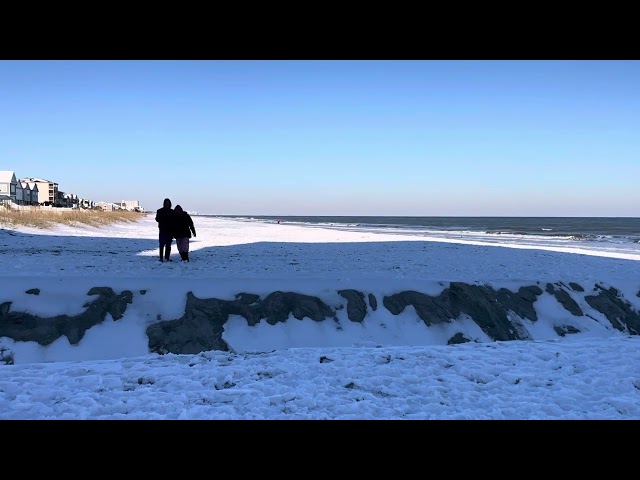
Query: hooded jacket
183, 224
166, 220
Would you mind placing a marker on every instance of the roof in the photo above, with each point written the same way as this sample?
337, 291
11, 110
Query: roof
38, 180
7, 176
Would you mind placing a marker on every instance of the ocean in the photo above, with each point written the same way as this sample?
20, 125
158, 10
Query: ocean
621, 228
614, 234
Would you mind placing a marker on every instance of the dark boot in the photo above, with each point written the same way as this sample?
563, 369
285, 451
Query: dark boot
182, 256
161, 255
167, 253
186, 256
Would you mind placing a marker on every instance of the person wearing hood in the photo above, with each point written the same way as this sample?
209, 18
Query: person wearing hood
165, 217
183, 229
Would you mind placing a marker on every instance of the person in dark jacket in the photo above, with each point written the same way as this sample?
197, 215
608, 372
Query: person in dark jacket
165, 217
183, 230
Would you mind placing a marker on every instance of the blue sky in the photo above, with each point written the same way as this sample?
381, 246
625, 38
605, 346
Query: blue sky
523, 138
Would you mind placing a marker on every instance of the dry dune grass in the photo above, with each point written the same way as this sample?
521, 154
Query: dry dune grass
41, 218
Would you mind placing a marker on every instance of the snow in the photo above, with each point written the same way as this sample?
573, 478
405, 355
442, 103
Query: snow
387, 367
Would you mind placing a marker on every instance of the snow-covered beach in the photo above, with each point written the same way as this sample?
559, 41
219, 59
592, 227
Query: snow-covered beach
385, 365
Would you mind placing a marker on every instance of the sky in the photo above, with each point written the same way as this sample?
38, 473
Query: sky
389, 367
331, 137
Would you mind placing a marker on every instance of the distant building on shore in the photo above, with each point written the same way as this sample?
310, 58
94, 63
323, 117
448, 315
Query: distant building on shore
107, 206
47, 190
17, 193
30, 192
132, 206
8, 185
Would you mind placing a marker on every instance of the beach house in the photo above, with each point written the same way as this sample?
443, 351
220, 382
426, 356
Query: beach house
47, 191
30, 193
8, 186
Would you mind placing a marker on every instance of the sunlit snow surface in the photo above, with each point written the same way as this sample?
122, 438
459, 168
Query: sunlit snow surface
361, 372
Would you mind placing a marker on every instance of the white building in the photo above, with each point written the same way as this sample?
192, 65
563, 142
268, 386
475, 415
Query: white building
8, 186
107, 206
131, 205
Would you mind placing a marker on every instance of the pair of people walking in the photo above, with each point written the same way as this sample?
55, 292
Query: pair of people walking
174, 223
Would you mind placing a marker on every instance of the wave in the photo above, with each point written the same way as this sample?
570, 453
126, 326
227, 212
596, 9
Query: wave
608, 233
